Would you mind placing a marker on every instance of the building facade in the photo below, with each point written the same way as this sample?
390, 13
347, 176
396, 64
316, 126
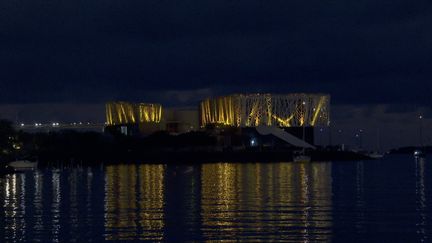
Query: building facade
252, 110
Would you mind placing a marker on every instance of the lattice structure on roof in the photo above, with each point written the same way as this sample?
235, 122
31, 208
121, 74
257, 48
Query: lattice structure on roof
250, 110
120, 112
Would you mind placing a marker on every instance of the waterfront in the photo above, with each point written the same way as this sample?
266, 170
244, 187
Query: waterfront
388, 200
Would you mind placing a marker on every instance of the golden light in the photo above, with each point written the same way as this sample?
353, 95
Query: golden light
128, 113
250, 110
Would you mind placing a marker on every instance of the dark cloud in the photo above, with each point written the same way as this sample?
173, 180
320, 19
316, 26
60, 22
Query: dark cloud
96, 50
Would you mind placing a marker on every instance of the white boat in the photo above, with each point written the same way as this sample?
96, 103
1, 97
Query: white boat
419, 154
375, 155
23, 165
301, 158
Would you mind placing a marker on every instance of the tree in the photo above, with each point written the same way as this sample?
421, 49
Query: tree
7, 136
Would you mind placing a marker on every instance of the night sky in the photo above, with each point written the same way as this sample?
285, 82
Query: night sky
373, 57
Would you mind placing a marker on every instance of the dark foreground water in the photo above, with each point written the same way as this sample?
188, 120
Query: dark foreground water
371, 201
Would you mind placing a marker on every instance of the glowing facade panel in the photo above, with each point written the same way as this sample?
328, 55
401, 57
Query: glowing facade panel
129, 113
250, 110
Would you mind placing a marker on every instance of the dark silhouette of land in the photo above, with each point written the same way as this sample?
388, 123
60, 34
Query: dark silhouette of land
71, 147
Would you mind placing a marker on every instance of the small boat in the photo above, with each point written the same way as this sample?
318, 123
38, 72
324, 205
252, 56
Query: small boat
302, 158
21, 165
419, 153
375, 155
188, 170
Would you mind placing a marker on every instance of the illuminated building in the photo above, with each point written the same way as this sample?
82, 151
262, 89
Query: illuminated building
121, 113
180, 120
133, 118
292, 112
145, 118
252, 110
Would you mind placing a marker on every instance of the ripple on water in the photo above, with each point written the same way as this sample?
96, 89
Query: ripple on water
385, 201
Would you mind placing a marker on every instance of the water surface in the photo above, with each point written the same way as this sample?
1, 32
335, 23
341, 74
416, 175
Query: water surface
370, 201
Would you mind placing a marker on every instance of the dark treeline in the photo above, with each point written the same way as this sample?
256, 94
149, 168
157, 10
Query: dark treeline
69, 147
93, 147
10, 144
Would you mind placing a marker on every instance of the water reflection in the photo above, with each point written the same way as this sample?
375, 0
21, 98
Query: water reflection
219, 202
134, 200
47, 205
421, 197
266, 201
37, 202
14, 209
360, 198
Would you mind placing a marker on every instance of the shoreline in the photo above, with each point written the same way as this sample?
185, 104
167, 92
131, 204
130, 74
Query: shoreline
190, 157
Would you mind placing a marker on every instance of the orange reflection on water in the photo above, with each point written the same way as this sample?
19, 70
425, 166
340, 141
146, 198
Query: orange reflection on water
286, 200
134, 202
